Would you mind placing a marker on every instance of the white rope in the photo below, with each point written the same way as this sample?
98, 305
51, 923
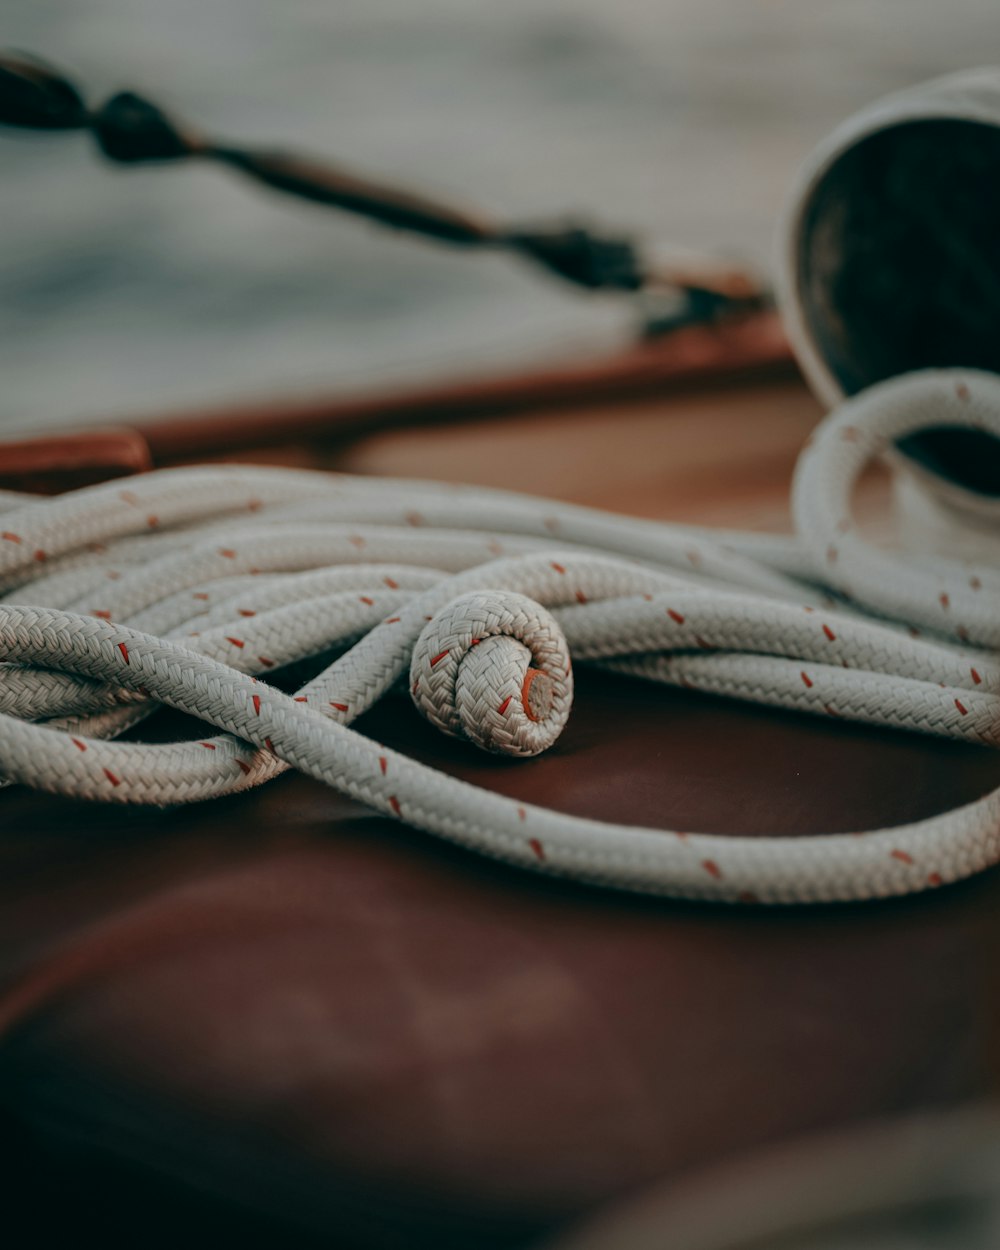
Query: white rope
189, 587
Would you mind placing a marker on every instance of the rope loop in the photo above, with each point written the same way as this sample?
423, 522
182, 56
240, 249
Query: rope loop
954, 599
196, 587
493, 667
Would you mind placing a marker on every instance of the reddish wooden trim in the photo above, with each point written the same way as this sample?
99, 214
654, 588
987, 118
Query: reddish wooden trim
48, 464
750, 348
694, 357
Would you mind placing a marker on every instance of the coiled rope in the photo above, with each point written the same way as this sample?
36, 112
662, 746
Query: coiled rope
188, 587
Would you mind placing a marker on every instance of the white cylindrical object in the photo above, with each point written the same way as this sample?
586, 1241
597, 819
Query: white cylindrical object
888, 262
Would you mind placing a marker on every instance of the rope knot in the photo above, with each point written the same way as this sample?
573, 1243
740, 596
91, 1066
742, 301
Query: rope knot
493, 667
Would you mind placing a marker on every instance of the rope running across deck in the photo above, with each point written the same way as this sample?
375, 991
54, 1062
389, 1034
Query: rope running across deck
188, 587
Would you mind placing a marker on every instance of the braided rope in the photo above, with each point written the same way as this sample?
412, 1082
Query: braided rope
189, 587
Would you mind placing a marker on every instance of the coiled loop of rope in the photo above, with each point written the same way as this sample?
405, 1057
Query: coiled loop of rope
191, 587
953, 600
495, 670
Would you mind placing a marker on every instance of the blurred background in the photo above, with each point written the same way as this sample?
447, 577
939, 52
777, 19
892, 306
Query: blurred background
131, 291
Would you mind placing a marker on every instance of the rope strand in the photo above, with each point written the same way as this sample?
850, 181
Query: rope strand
190, 587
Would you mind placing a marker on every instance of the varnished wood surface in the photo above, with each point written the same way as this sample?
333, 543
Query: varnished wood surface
285, 1005
722, 457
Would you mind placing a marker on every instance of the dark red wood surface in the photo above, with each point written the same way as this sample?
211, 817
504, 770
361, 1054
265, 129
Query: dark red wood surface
282, 1016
